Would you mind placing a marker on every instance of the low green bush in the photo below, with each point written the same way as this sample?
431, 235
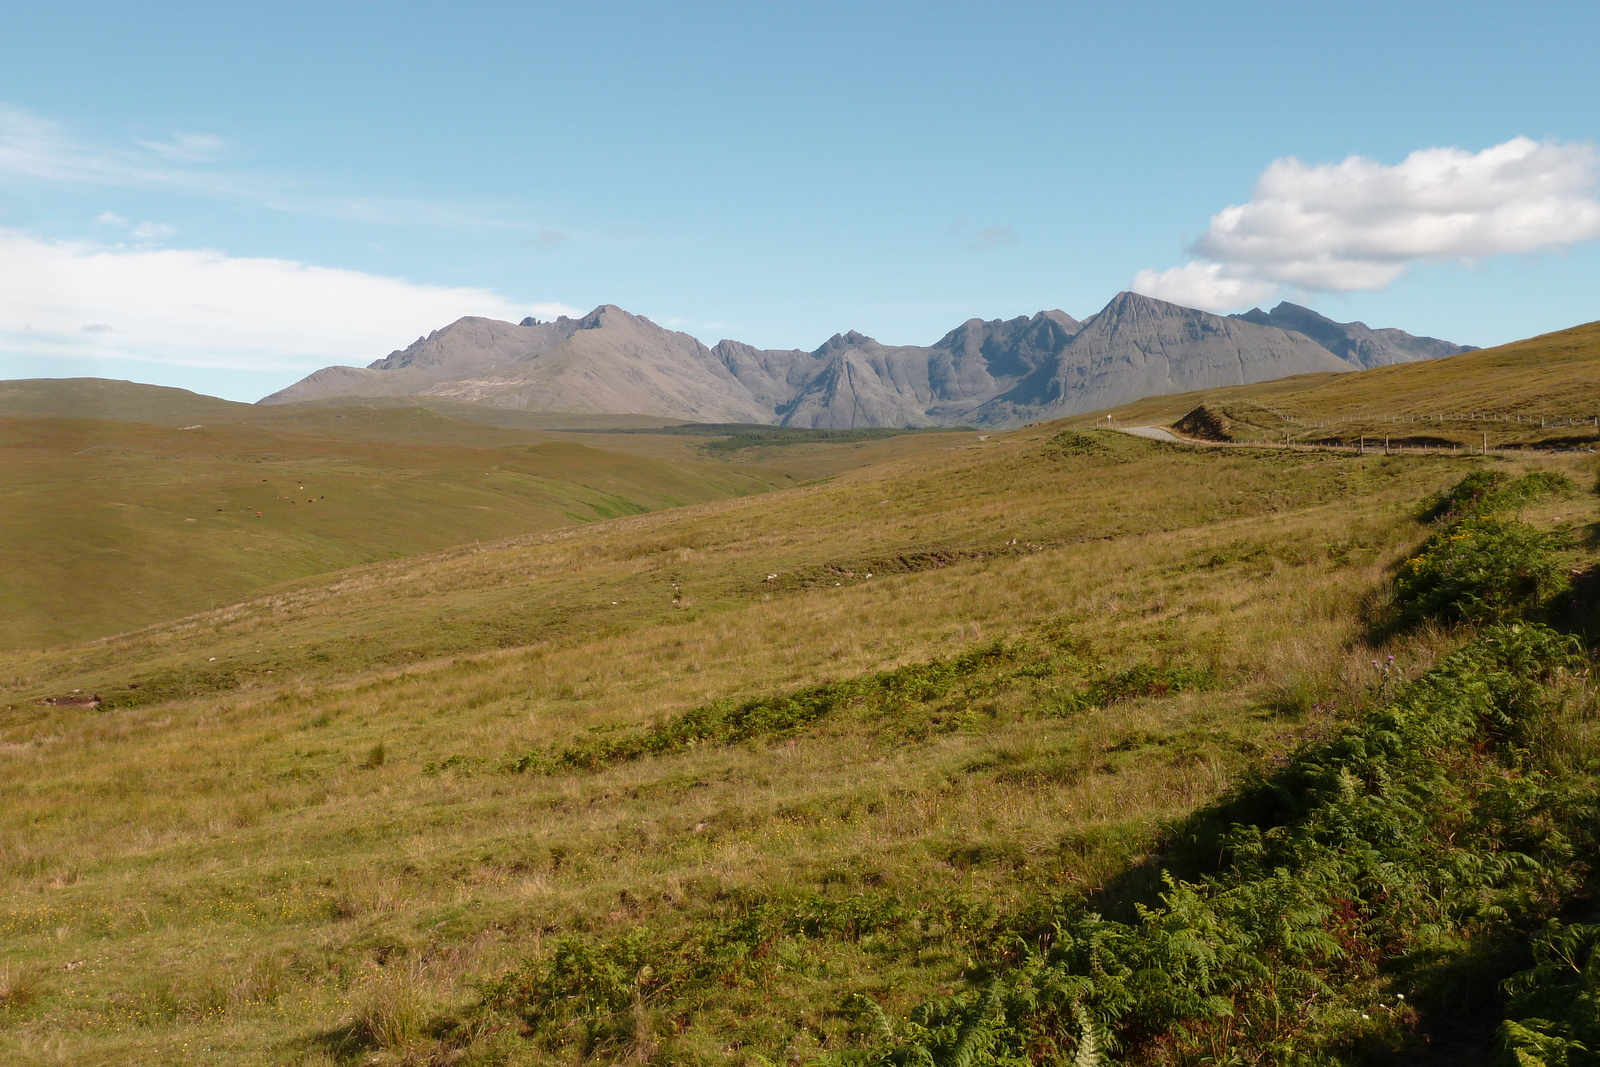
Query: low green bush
728, 722
1481, 569
908, 700
1140, 680
1490, 492
1481, 566
593, 991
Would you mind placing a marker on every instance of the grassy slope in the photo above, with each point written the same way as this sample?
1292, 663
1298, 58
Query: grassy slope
1555, 377
109, 526
1012, 495
104, 398
123, 401
236, 877
148, 509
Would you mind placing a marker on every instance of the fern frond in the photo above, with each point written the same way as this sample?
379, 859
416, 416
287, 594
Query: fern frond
976, 1029
1089, 1052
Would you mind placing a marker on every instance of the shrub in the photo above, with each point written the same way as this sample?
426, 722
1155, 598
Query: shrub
605, 990
1488, 492
19, 988
1480, 569
1480, 566
1077, 443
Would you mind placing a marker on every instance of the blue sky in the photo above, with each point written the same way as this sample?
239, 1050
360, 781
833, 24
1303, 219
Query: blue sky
225, 197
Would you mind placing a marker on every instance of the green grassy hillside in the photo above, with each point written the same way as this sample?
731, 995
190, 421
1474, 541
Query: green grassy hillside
168, 502
104, 398
106, 526
682, 786
1543, 392
518, 746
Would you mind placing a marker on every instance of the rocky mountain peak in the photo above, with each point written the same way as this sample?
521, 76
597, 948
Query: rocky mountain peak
985, 372
1355, 342
1129, 305
842, 341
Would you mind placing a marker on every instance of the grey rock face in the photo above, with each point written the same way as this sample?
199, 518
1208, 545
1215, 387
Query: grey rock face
1139, 346
852, 380
606, 361
982, 373
1355, 342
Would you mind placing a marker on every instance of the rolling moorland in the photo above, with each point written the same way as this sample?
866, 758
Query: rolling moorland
1045, 745
166, 503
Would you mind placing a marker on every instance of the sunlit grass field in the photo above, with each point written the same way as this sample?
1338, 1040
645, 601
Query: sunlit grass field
1543, 392
168, 503
295, 831
488, 742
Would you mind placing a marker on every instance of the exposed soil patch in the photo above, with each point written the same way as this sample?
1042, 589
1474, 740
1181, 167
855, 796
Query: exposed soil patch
73, 701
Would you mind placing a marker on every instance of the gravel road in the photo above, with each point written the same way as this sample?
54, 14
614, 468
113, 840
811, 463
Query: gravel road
1155, 433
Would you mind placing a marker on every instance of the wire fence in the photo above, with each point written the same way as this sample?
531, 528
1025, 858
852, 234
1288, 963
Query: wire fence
1545, 422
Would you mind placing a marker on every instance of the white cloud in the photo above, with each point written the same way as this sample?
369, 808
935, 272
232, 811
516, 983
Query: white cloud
38, 148
198, 308
1203, 285
993, 237
153, 231
188, 148
545, 238
985, 239
145, 231
1359, 224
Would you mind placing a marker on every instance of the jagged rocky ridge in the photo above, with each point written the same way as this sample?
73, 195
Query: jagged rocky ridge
1355, 342
982, 373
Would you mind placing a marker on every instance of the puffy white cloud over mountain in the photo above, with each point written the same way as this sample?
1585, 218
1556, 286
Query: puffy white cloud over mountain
1359, 224
202, 308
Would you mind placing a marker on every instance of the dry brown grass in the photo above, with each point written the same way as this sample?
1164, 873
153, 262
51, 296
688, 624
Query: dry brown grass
230, 877
1536, 393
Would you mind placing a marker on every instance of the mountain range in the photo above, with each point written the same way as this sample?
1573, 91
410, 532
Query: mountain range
993, 373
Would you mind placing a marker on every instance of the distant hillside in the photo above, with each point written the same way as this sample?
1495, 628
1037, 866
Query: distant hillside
1540, 392
399, 416
102, 398
110, 525
985, 373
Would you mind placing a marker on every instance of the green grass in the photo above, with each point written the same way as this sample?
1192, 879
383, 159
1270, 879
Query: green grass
107, 527
1536, 393
148, 510
987, 505
783, 750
